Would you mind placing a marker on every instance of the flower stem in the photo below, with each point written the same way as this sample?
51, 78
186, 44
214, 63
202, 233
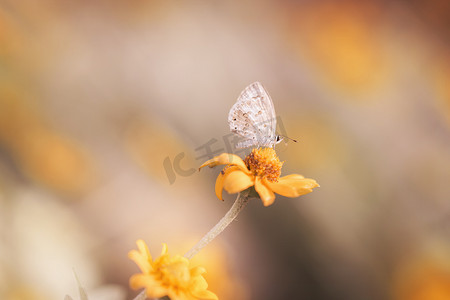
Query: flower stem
240, 202
142, 296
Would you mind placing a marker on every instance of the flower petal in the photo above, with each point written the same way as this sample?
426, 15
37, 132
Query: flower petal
141, 261
198, 283
219, 186
156, 292
205, 294
266, 195
152, 286
292, 185
226, 159
237, 181
143, 249
142, 257
196, 271
292, 176
138, 281
220, 179
165, 249
179, 295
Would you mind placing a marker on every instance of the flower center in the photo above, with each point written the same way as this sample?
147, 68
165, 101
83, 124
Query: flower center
264, 163
172, 272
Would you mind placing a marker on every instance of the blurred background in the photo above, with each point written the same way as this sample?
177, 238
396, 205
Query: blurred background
108, 107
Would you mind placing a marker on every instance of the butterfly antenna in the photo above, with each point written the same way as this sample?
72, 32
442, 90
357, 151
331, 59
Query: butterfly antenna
295, 141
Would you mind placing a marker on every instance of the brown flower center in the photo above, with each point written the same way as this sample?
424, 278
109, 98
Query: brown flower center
264, 163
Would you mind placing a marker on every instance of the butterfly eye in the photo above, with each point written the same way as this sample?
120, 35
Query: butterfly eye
278, 138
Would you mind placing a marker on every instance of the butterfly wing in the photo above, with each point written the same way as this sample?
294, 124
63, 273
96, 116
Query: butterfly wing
253, 117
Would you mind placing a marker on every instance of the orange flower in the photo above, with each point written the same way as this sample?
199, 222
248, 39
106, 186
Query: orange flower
168, 276
261, 169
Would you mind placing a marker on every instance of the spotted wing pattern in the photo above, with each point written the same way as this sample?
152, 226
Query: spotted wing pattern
253, 118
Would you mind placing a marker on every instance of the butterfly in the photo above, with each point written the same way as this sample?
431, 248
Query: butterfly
253, 118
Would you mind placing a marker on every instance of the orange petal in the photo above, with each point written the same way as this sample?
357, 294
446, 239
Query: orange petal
292, 176
207, 295
198, 283
142, 257
165, 249
237, 181
138, 281
152, 286
143, 249
292, 185
266, 195
220, 179
226, 159
196, 271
